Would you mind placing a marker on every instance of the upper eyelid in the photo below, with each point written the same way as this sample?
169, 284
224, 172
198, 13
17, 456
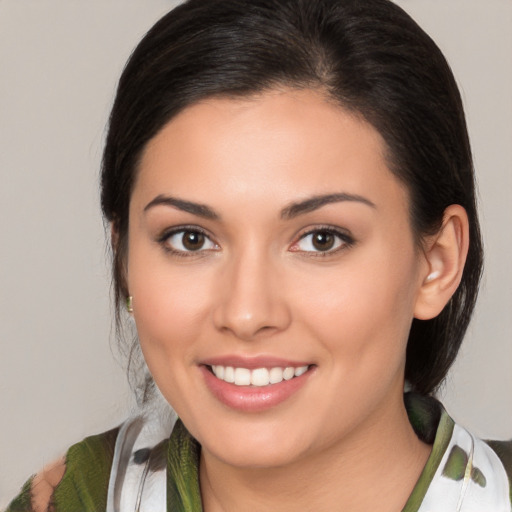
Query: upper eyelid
163, 240
346, 238
343, 233
167, 232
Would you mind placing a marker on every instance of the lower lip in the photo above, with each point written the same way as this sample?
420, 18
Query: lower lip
253, 398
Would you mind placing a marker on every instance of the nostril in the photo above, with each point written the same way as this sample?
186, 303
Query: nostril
247, 311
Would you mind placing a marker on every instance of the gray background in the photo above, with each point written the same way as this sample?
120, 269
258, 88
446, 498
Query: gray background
59, 62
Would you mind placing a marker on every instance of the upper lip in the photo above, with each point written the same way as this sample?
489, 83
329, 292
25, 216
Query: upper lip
253, 362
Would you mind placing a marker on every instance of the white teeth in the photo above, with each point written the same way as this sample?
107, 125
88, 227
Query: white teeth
276, 375
219, 371
301, 370
258, 377
242, 376
229, 374
288, 373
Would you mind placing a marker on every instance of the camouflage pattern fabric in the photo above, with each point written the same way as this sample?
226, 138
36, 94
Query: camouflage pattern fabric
139, 467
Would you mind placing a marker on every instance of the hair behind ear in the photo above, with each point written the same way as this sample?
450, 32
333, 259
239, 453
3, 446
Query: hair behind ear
434, 343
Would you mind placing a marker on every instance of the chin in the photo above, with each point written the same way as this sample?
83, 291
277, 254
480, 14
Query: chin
255, 444
257, 457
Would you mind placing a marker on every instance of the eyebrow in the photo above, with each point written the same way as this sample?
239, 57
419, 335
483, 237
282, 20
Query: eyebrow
316, 202
201, 210
289, 212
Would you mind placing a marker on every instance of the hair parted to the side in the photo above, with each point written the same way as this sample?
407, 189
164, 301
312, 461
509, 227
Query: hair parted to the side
369, 57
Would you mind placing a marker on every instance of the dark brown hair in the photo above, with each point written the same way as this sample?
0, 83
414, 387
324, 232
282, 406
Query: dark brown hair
367, 55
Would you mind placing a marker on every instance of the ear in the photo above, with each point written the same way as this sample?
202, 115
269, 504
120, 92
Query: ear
445, 256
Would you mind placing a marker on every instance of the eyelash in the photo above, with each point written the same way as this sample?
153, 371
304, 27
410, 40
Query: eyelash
345, 241
163, 240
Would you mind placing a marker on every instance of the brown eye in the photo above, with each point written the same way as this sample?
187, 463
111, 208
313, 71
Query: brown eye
188, 240
323, 240
193, 240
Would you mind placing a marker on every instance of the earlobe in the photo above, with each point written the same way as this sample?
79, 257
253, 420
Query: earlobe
445, 256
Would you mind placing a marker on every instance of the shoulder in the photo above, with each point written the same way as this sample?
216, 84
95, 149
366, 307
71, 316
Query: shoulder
126, 465
483, 468
462, 469
78, 481
91, 458
85, 481
503, 449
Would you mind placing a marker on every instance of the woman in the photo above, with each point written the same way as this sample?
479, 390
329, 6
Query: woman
290, 191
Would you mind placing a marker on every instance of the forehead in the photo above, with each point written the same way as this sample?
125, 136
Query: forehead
277, 144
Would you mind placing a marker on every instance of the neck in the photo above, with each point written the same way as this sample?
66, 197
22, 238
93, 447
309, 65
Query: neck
376, 469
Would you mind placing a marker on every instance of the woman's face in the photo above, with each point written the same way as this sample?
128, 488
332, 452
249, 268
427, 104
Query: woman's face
268, 239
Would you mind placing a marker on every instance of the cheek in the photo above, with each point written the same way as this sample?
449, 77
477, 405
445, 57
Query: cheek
169, 313
362, 311
170, 305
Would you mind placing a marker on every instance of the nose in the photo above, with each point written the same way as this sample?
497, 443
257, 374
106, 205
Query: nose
251, 302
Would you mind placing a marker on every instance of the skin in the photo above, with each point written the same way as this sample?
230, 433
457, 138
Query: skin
44, 484
259, 288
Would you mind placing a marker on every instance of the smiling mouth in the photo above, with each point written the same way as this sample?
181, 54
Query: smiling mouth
257, 377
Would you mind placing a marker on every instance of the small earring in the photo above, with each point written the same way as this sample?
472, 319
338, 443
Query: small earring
129, 304
432, 276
